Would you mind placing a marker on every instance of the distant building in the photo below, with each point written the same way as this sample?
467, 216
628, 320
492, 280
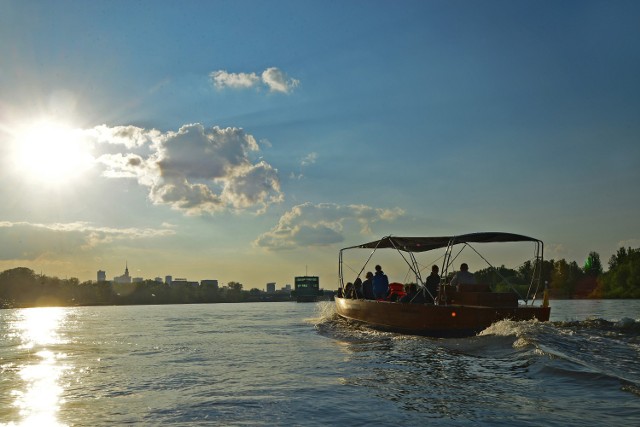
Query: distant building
102, 276
307, 288
137, 280
168, 280
209, 282
271, 287
125, 278
158, 280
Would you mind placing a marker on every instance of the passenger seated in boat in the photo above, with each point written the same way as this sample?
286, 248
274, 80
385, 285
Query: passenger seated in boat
367, 286
380, 284
396, 291
357, 288
412, 290
348, 290
432, 283
463, 277
413, 295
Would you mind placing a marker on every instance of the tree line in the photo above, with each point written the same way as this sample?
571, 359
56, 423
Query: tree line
22, 287
569, 280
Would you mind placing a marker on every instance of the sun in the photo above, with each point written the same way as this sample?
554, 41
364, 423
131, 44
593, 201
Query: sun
51, 152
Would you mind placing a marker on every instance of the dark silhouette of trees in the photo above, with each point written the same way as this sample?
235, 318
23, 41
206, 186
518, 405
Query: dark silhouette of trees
568, 280
502, 279
235, 286
565, 278
22, 287
593, 266
623, 278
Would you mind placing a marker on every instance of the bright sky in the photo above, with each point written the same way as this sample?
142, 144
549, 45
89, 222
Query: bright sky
251, 140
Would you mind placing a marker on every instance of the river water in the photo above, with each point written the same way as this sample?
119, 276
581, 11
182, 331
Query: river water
298, 364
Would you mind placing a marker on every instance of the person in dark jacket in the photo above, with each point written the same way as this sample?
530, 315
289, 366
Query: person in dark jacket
380, 284
432, 283
367, 286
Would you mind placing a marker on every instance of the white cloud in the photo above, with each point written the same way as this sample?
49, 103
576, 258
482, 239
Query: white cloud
277, 81
321, 224
222, 79
254, 185
195, 170
129, 136
123, 165
272, 78
309, 159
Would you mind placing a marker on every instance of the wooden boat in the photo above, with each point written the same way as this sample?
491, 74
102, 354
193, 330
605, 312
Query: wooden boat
455, 311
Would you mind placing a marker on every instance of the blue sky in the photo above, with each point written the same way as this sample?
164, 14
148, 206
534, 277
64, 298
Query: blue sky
249, 141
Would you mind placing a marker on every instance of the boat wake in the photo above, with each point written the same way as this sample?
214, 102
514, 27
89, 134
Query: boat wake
588, 350
594, 348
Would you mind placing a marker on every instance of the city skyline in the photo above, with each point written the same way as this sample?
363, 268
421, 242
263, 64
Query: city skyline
257, 139
101, 275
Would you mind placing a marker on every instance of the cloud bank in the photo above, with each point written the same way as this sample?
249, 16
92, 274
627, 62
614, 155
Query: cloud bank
321, 224
272, 78
34, 240
194, 170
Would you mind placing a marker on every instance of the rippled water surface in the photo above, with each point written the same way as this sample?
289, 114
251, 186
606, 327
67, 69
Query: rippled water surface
298, 364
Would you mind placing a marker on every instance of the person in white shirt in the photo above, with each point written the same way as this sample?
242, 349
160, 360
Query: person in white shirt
464, 276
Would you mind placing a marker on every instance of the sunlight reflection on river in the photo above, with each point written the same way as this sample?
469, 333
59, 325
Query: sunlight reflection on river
37, 390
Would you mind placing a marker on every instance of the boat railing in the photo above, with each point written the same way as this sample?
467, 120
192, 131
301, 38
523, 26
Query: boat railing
535, 278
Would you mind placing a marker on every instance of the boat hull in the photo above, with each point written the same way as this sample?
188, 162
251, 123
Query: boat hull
433, 320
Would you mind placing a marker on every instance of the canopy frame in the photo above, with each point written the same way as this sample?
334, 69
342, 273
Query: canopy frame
408, 246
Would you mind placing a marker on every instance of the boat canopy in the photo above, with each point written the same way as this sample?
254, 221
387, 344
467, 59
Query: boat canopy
423, 244
412, 245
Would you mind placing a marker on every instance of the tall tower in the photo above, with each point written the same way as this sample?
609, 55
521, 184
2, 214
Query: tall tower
125, 278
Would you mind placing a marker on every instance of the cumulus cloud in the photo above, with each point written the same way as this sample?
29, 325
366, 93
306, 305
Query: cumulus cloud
272, 78
195, 170
321, 224
32, 240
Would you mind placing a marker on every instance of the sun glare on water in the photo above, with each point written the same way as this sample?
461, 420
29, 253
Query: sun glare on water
51, 152
38, 388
